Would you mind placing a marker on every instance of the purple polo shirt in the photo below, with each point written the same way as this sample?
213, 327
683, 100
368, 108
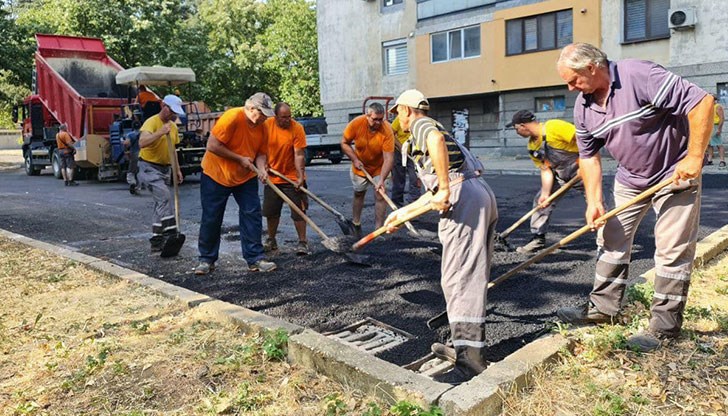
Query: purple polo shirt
644, 125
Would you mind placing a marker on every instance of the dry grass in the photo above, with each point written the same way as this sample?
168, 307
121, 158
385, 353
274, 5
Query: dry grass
602, 378
74, 341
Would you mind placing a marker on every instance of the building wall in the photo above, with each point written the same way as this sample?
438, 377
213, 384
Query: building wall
708, 41
612, 21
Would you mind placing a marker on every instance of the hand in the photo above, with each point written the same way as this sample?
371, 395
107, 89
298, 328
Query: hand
165, 129
441, 200
688, 168
299, 183
359, 165
594, 211
180, 177
542, 201
391, 219
263, 175
246, 162
380, 187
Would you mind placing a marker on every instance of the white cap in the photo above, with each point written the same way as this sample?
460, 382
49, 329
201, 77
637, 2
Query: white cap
411, 98
174, 103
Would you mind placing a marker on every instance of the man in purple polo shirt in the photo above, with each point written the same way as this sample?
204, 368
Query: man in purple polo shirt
657, 126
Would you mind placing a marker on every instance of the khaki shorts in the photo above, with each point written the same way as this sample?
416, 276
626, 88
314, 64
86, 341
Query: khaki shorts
273, 203
360, 183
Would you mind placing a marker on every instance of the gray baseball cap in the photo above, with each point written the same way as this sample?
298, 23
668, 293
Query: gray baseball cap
262, 102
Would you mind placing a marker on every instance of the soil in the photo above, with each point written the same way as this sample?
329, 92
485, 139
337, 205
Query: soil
324, 291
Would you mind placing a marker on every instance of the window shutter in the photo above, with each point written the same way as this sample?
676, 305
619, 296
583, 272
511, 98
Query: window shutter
635, 15
514, 37
530, 29
564, 28
658, 18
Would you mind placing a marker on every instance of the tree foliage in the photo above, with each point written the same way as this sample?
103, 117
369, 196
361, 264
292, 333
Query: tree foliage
235, 47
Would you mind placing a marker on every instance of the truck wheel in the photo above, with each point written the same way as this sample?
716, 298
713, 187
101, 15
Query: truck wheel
309, 158
335, 160
30, 169
56, 163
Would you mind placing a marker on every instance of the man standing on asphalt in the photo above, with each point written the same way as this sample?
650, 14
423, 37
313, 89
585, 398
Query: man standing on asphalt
656, 125
403, 170
287, 155
154, 168
468, 215
373, 152
66, 151
552, 147
237, 145
716, 139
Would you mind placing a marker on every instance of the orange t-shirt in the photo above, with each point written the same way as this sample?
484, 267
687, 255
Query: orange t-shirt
281, 146
145, 96
233, 130
63, 140
369, 146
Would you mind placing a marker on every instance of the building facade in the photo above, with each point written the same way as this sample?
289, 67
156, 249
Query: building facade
480, 61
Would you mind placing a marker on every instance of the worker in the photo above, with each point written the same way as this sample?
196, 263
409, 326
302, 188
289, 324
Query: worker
552, 148
656, 125
468, 215
716, 139
236, 148
403, 170
287, 155
66, 151
144, 95
154, 168
131, 142
373, 152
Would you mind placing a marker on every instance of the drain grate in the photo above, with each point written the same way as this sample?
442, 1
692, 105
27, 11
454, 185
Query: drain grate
371, 336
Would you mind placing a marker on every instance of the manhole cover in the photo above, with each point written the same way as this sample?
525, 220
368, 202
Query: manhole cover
371, 336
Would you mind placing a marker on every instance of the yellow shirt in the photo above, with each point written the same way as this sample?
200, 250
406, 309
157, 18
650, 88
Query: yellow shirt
559, 135
716, 117
399, 132
158, 152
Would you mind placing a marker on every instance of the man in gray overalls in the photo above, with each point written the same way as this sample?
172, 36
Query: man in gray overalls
468, 215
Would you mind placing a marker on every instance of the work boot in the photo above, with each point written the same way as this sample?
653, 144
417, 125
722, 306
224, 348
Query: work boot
444, 352
72, 183
469, 363
302, 248
647, 341
537, 243
157, 243
65, 183
585, 314
262, 266
357, 231
270, 245
204, 268
721, 164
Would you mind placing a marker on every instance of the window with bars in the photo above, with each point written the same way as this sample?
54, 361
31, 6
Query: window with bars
395, 57
557, 103
387, 3
455, 44
539, 33
645, 20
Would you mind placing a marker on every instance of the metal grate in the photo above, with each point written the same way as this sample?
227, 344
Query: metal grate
371, 336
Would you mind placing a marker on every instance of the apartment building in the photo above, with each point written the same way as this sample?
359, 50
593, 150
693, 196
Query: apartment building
479, 61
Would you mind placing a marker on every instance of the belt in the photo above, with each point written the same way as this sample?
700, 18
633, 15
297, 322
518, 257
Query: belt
464, 178
158, 165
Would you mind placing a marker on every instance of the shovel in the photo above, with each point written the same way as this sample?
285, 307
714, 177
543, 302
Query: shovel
330, 243
173, 243
416, 212
500, 239
441, 319
346, 225
391, 204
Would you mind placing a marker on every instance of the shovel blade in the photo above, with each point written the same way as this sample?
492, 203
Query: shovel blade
347, 227
360, 259
501, 244
438, 321
173, 245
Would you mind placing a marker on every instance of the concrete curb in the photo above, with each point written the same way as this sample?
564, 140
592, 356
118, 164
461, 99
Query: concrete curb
481, 396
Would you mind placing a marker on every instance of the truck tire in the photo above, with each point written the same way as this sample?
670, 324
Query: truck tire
30, 169
309, 157
56, 163
335, 160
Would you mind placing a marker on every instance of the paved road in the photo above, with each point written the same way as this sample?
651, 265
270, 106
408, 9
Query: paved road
324, 291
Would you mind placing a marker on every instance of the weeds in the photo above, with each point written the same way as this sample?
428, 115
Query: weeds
641, 293
405, 408
274, 344
335, 406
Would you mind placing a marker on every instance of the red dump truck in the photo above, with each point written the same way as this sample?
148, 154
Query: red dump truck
73, 83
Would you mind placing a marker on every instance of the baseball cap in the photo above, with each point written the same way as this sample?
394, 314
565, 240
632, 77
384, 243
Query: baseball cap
262, 102
411, 98
174, 103
521, 116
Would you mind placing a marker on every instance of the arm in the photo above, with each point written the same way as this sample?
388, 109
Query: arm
440, 161
350, 153
217, 147
591, 173
299, 160
547, 184
700, 119
721, 116
386, 169
146, 138
261, 162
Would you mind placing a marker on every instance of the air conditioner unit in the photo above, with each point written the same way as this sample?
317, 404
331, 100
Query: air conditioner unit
682, 18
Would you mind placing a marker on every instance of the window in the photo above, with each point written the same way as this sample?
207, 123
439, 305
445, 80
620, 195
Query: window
645, 20
388, 3
395, 57
455, 44
539, 33
431, 8
557, 103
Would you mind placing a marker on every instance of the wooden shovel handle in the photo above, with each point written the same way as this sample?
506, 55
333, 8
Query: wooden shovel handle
381, 230
175, 180
307, 192
389, 202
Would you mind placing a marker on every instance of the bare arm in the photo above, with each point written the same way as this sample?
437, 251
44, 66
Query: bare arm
299, 160
440, 161
217, 147
146, 138
721, 117
547, 184
700, 119
386, 168
591, 173
351, 154
261, 162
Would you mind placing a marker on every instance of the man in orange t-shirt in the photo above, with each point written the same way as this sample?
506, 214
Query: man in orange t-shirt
237, 144
144, 96
65, 142
287, 155
373, 151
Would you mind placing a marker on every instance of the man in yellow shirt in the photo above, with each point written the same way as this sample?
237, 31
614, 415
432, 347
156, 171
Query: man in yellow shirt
716, 139
154, 167
552, 147
287, 155
403, 170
